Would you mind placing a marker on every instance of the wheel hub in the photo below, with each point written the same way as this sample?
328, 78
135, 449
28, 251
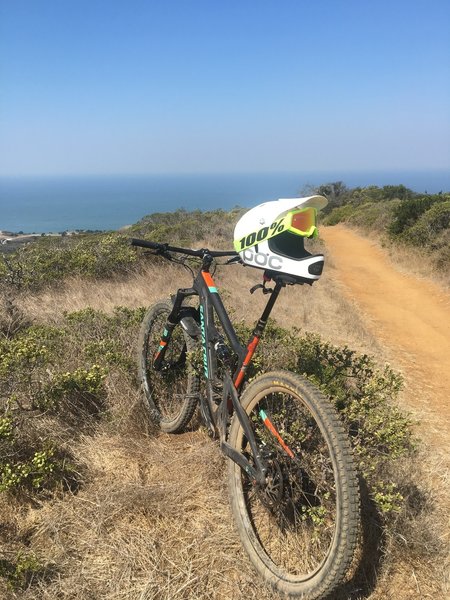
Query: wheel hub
272, 493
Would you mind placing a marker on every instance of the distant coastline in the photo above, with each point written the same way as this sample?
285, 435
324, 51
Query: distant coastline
58, 204
10, 241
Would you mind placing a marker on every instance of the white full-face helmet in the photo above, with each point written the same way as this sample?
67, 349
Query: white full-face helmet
271, 236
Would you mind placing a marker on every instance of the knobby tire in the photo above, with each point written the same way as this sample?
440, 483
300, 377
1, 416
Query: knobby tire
171, 394
301, 530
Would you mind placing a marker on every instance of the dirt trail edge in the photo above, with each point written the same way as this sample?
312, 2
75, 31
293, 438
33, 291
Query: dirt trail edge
410, 316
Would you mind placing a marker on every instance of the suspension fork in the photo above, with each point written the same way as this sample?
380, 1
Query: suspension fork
171, 322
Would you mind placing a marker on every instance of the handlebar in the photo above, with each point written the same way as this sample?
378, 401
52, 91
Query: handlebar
161, 248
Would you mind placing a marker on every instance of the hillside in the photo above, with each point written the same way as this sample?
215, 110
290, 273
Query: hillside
415, 226
94, 503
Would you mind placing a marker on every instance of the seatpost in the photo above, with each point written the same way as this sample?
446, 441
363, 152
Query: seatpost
257, 333
261, 324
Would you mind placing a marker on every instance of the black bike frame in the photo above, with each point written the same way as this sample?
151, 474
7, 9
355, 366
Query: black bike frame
217, 415
210, 303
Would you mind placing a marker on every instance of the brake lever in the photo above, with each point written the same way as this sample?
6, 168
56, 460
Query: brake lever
234, 259
263, 287
160, 252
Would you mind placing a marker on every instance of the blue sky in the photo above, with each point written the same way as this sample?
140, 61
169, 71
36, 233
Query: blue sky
130, 86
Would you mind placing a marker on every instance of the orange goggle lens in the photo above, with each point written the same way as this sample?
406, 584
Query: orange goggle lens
303, 221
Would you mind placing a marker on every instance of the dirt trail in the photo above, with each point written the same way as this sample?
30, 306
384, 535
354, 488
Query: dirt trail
411, 317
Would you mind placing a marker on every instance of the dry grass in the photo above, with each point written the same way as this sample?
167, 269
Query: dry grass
321, 308
416, 262
152, 519
141, 289
152, 522
410, 260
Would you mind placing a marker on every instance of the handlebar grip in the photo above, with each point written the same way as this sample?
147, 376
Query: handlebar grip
146, 244
224, 253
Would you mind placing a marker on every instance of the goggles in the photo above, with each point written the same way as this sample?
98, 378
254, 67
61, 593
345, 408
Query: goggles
302, 221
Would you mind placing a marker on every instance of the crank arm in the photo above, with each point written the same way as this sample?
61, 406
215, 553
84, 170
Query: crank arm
260, 470
240, 460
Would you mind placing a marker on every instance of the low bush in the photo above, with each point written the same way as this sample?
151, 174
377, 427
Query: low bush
363, 392
408, 212
183, 227
59, 372
426, 230
23, 570
49, 260
27, 464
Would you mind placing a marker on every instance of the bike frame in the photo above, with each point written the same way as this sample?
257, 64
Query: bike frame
210, 304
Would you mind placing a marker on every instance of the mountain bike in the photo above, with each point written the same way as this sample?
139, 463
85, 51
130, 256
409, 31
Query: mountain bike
292, 481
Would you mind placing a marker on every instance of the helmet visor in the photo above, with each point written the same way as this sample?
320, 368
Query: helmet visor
302, 222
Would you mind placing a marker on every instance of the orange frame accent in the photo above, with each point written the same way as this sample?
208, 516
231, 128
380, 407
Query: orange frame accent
251, 350
208, 279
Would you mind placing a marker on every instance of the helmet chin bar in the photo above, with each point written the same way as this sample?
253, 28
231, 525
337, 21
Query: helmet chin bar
311, 270
308, 270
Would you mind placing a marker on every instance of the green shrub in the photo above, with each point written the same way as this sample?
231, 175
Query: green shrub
6, 428
364, 394
57, 372
49, 260
408, 212
106, 338
24, 570
27, 465
34, 472
372, 216
425, 231
342, 213
186, 227
79, 391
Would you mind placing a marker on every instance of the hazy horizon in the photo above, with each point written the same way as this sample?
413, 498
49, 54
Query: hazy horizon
316, 172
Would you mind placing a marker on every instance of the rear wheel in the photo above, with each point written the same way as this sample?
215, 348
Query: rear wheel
300, 530
171, 393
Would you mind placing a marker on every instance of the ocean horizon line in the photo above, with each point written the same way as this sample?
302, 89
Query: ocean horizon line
109, 202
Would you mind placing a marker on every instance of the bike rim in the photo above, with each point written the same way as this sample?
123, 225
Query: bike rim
294, 518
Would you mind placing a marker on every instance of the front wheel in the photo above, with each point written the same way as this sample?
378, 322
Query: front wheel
171, 393
300, 529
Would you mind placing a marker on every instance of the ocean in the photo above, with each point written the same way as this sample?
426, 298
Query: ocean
56, 204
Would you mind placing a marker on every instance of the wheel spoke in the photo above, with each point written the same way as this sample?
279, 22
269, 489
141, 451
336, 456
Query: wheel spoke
289, 525
301, 520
